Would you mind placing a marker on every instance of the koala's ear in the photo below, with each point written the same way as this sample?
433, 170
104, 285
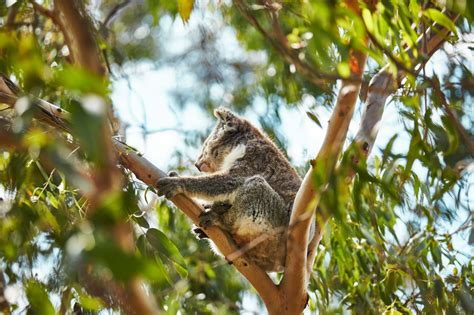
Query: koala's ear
223, 114
229, 119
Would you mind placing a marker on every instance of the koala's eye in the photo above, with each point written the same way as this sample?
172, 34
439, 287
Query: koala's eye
215, 153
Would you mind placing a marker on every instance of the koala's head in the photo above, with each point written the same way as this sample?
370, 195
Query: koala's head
229, 132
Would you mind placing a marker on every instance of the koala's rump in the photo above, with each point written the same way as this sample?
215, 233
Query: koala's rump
264, 245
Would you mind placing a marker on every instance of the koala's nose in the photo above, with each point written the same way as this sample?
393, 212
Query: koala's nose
202, 167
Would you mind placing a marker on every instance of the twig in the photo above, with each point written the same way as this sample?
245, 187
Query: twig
453, 118
12, 11
113, 13
4, 305
44, 11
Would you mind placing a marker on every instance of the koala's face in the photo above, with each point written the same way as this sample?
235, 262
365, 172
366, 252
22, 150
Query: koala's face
220, 142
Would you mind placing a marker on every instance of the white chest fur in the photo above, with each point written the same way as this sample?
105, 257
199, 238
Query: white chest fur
235, 154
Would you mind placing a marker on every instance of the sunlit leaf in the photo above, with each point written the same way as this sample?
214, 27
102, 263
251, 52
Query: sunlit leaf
38, 298
162, 243
314, 118
440, 18
185, 7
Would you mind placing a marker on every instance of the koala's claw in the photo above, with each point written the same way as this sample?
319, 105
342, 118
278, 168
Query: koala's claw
169, 187
173, 174
199, 233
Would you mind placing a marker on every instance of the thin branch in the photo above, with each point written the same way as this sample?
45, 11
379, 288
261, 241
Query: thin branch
113, 13
65, 301
453, 118
12, 12
44, 11
4, 305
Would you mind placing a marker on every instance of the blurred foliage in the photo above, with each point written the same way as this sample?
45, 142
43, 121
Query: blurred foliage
398, 239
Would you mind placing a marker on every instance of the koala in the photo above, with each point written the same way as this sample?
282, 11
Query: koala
251, 185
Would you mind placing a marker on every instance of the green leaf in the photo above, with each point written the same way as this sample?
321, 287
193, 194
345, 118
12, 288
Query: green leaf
88, 137
182, 271
120, 262
314, 118
90, 303
452, 135
185, 7
392, 312
165, 277
77, 79
440, 18
343, 69
436, 253
38, 298
367, 17
163, 244
52, 200
139, 218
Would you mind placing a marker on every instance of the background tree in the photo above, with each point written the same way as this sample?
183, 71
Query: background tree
78, 234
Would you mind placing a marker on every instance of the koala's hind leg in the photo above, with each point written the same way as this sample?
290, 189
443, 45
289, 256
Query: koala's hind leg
257, 209
260, 220
257, 202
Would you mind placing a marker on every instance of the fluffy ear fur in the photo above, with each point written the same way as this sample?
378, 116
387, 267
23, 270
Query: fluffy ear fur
227, 117
223, 114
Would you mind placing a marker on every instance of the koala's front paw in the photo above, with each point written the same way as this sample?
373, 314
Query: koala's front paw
169, 187
199, 233
220, 207
208, 219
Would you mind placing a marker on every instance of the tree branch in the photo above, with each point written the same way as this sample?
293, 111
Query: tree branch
79, 36
71, 18
294, 283
113, 13
12, 12
44, 11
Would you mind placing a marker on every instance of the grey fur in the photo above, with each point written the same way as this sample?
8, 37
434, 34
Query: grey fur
253, 189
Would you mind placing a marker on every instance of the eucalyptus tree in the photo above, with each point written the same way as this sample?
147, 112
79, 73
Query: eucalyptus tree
82, 232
